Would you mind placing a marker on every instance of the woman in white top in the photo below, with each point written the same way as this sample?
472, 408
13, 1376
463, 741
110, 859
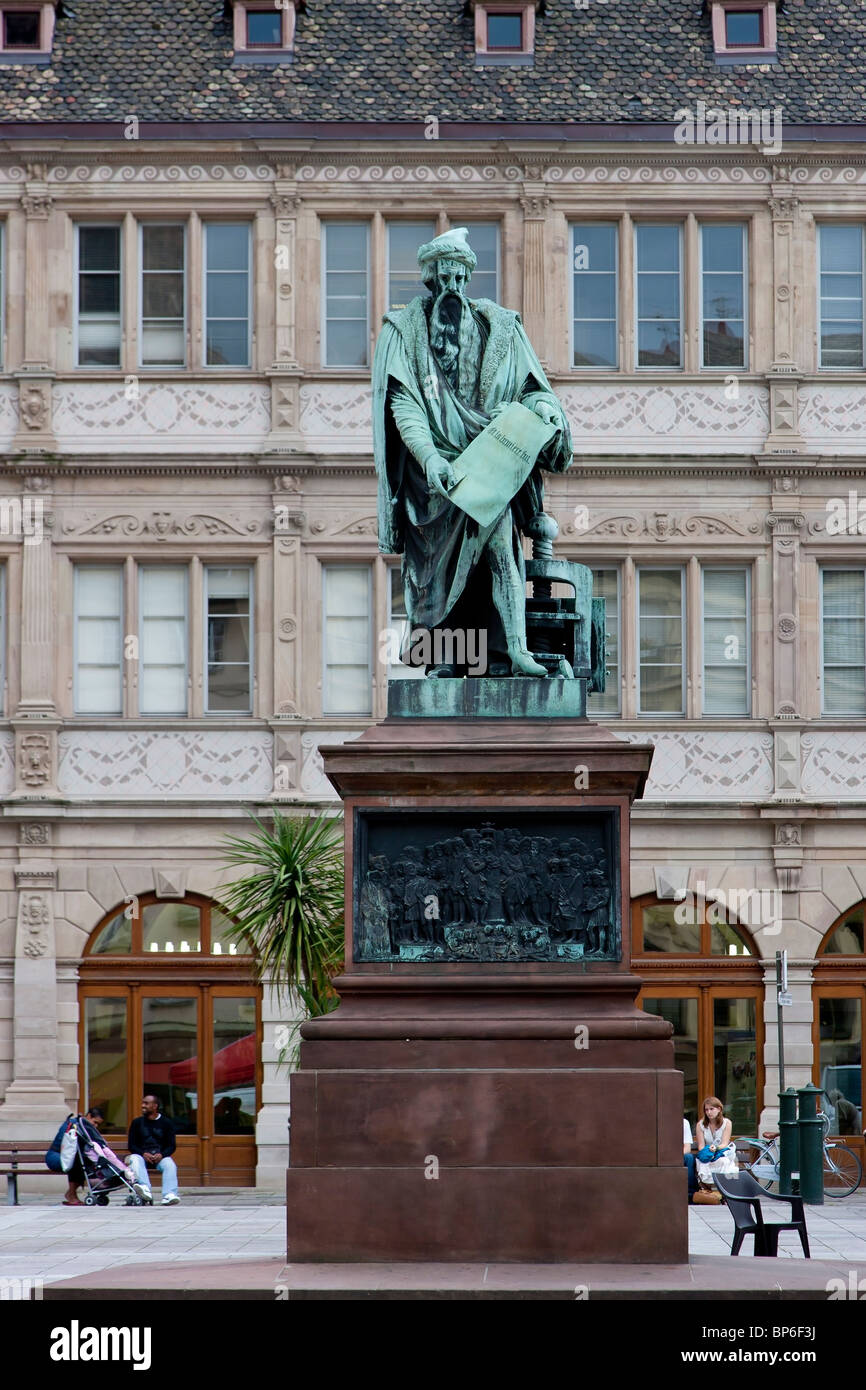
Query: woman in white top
714, 1131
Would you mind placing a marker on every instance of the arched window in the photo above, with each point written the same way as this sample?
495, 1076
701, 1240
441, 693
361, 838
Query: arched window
169, 1006
701, 971
838, 1023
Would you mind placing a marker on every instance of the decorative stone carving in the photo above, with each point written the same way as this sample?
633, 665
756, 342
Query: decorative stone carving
34, 759
338, 410
171, 884
834, 765
37, 205
35, 833
786, 628
34, 919
313, 782
162, 526
35, 404
696, 765
661, 526
695, 416
140, 763
787, 763
162, 415
788, 834
288, 629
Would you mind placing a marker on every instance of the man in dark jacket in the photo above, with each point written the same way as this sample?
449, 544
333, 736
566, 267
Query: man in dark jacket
151, 1144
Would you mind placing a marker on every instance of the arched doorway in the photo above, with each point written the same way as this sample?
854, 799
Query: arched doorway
704, 976
168, 1006
839, 1025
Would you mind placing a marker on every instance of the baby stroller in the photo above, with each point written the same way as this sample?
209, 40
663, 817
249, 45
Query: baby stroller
103, 1171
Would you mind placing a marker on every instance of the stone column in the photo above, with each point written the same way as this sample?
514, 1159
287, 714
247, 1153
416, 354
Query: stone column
34, 1103
285, 373
272, 1125
783, 378
785, 528
35, 431
35, 721
535, 203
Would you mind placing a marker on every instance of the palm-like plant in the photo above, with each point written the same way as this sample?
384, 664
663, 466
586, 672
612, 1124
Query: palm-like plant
289, 908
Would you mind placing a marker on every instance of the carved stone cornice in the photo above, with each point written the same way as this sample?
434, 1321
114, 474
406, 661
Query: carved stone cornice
783, 209
785, 523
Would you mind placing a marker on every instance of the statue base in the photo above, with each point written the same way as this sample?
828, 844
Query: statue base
490, 1110
488, 697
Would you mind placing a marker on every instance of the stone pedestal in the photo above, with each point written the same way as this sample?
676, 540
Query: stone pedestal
460, 1109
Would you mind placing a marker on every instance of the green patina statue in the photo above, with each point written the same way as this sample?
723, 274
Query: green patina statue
447, 370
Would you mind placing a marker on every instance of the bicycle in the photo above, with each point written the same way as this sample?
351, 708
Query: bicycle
843, 1170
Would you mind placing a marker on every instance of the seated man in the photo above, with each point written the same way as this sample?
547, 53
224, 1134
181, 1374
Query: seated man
151, 1144
75, 1176
689, 1161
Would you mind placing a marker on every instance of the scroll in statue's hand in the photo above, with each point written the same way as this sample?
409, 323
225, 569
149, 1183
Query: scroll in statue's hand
440, 474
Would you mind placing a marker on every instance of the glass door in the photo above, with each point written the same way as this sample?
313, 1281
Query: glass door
838, 1024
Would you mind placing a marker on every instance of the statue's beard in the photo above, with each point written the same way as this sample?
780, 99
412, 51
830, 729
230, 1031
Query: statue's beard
445, 320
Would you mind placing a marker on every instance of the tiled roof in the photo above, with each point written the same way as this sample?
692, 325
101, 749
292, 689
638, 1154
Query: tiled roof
405, 60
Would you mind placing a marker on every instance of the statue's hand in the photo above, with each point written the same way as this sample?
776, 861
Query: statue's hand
498, 409
440, 474
546, 411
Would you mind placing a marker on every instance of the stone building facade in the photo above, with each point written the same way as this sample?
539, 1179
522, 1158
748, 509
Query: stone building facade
193, 599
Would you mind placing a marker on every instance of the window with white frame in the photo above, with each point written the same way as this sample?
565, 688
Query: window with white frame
595, 340
163, 643
347, 634
605, 584
484, 240
98, 639
840, 295
658, 272
398, 623
723, 294
661, 647
843, 641
228, 638
98, 299
162, 251
346, 276
404, 273
726, 641
227, 294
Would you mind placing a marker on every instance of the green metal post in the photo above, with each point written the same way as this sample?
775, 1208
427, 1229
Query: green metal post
789, 1140
811, 1130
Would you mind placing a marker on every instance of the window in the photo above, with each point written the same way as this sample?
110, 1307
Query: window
98, 296
484, 240
744, 28
726, 641
264, 28
346, 273
659, 295
22, 28
228, 655
347, 634
404, 282
841, 295
594, 259
605, 584
264, 33
504, 30
227, 294
98, 639
163, 639
661, 621
163, 300
723, 294
744, 31
843, 641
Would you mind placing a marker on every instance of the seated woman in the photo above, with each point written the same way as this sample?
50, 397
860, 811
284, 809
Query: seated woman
75, 1176
714, 1132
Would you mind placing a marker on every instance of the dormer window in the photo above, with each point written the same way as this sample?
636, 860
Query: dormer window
744, 32
504, 31
265, 33
26, 33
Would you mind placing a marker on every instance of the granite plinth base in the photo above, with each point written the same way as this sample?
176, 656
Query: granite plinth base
474, 1110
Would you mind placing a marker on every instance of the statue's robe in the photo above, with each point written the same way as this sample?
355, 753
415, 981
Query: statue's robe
444, 583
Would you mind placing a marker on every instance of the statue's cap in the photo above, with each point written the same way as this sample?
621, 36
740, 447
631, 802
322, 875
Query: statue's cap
452, 245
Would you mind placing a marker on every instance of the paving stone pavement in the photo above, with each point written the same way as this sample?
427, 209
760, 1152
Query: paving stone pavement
42, 1240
